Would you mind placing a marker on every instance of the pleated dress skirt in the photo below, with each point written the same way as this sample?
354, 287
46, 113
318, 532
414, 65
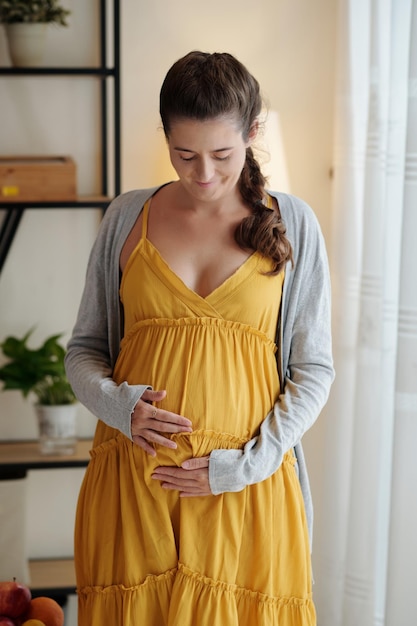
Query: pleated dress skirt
146, 556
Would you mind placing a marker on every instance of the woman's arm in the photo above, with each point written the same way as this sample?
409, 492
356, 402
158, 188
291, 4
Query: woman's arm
308, 366
89, 359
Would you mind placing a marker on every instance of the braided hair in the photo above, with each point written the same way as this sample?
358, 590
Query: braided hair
203, 86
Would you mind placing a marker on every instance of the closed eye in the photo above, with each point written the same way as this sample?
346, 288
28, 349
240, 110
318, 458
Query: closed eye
217, 158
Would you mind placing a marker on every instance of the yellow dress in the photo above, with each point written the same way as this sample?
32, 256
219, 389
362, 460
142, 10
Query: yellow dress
143, 554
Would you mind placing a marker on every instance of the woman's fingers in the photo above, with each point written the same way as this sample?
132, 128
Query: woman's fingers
142, 443
189, 482
166, 422
150, 395
196, 463
149, 423
148, 416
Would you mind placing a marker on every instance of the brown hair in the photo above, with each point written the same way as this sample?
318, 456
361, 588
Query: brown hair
204, 86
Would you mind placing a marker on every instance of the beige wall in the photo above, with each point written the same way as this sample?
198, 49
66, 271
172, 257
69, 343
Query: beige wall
287, 44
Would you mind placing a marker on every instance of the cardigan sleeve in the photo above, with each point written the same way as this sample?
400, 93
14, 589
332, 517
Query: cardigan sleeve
89, 359
308, 372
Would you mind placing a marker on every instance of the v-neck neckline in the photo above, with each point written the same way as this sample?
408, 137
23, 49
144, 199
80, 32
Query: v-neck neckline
230, 282
251, 260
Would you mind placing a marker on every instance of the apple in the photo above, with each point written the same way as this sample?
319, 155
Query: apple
14, 598
6, 621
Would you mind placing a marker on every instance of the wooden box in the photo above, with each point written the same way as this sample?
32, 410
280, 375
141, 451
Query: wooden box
37, 179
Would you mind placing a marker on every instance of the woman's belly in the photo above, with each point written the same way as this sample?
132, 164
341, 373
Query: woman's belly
221, 375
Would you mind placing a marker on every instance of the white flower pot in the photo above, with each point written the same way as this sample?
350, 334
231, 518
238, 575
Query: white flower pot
57, 428
26, 44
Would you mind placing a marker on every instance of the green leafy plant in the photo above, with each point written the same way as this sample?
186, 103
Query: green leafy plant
39, 371
33, 11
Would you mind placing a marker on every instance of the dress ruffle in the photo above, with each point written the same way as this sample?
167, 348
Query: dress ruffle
182, 596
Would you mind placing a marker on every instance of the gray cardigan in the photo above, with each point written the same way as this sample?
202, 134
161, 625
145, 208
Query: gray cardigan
304, 340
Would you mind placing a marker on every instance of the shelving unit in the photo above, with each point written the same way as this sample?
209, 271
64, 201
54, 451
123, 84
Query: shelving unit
56, 577
52, 577
14, 211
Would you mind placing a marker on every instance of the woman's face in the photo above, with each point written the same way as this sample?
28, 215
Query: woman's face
208, 156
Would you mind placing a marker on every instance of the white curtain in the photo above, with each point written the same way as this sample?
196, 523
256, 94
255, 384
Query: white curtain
365, 544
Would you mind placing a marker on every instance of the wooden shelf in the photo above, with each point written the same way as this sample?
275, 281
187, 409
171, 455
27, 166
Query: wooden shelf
17, 457
52, 577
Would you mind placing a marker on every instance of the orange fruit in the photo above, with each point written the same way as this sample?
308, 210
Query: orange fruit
45, 610
33, 622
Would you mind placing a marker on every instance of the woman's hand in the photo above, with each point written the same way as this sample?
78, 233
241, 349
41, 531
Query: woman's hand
149, 421
191, 479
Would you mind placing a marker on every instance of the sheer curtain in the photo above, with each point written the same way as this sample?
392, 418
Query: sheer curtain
365, 559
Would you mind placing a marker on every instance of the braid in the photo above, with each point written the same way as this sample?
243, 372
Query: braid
262, 231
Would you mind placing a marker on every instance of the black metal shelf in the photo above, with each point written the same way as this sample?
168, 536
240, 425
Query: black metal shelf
53, 577
15, 211
104, 72
87, 202
100, 72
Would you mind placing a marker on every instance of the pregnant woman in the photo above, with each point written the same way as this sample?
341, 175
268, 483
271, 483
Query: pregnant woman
203, 346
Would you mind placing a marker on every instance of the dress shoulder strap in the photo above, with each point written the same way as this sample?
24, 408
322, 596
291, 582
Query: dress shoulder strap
268, 201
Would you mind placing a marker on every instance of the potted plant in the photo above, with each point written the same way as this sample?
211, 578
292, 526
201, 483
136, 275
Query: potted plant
26, 22
42, 373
